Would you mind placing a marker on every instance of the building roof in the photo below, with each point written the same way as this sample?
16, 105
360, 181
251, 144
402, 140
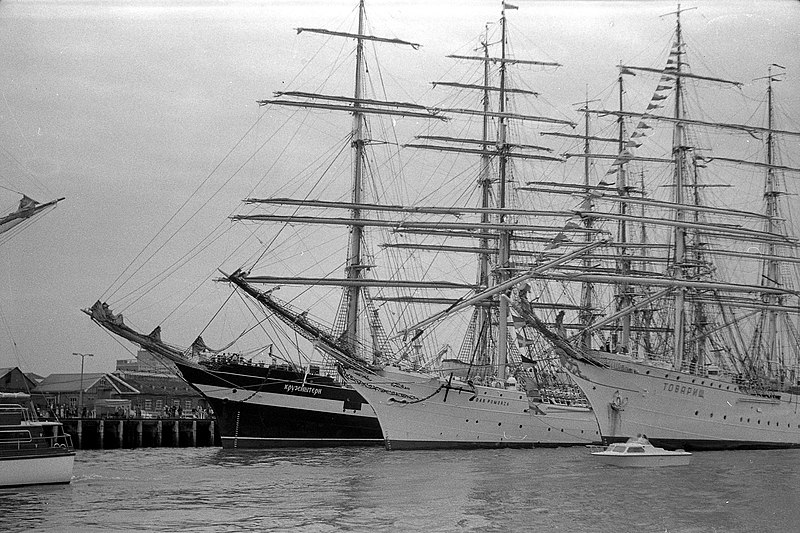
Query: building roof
55, 383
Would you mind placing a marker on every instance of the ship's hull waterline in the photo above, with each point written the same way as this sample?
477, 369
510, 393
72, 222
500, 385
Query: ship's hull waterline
257, 411
422, 412
680, 410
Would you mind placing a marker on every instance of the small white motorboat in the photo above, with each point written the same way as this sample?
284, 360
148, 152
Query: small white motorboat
638, 451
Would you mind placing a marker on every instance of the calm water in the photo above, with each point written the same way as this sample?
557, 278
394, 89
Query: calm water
208, 489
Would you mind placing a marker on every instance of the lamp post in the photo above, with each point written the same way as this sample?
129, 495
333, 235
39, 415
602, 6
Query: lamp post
80, 394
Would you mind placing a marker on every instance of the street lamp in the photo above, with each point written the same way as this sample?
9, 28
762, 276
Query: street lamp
80, 394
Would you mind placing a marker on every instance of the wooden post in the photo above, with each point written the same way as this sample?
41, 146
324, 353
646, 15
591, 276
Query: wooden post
139, 433
80, 433
211, 432
194, 433
121, 436
158, 433
177, 430
101, 432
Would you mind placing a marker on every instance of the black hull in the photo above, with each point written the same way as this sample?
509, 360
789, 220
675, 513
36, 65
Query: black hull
276, 407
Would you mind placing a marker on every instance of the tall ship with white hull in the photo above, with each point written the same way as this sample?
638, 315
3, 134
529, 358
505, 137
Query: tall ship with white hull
486, 404
701, 358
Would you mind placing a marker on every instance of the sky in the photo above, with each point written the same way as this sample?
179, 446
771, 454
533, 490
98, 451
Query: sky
127, 108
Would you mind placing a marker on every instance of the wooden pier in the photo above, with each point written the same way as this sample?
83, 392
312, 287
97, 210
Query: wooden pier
103, 433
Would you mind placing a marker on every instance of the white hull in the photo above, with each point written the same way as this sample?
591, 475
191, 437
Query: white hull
644, 461
680, 410
417, 411
36, 469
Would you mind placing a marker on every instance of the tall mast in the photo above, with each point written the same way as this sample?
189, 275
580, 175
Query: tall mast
624, 299
679, 331
505, 235
771, 266
484, 313
587, 289
354, 267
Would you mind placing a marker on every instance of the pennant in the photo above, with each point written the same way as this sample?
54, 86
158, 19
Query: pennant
509, 6
624, 70
658, 97
556, 242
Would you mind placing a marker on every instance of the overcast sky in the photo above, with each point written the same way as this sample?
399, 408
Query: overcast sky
125, 107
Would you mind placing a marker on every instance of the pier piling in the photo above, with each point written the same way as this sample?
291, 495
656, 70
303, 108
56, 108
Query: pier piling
100, 433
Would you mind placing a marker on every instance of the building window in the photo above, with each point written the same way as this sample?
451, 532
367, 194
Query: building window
187, 405
159, 404
176, 403
148, 404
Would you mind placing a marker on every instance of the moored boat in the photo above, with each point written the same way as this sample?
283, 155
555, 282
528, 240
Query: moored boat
263, 406
32, 451
699, 355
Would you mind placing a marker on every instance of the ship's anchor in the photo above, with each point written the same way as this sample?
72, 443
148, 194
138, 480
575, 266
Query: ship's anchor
618, 404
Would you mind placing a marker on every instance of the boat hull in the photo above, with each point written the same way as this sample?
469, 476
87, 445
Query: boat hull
257, 407
679, 410
423, 412
46, 466
647, 461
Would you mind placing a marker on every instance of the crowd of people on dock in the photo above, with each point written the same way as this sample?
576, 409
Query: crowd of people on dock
60, 411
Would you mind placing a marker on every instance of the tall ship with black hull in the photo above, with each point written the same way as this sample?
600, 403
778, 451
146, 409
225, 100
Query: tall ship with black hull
262, 403
262, 406
701, 357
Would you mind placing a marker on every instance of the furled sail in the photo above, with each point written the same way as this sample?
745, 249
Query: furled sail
27, 209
